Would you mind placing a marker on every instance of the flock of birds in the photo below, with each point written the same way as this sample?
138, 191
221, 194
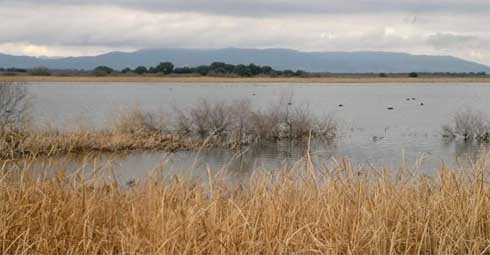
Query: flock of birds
391, 108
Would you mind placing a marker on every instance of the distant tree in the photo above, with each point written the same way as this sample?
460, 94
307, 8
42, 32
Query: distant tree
254, 69
383, 75
266, 70
183, 70
242, 70
202, 70
102, 70
288, 73
126, 70
152, 70
16, 70
140, 70
300, 73
217, 65
217, 71
165, 68
413, 75
40, 71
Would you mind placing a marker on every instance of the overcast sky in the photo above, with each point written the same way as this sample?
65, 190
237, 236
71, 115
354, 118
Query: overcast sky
76, 27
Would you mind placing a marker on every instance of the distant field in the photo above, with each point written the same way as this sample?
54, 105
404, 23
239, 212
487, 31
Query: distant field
163, 79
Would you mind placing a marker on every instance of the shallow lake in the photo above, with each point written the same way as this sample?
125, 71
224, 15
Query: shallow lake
369, 133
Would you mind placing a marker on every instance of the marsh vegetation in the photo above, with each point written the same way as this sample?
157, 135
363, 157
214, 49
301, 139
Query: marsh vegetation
299, 207
204, 124
469, 125
331, 210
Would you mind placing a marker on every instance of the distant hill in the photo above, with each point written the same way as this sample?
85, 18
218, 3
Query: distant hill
281, 59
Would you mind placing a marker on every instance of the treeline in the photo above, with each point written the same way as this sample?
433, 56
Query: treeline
214, 69
218, 69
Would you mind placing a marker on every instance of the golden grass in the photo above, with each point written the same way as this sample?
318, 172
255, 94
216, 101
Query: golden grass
166, 79
340, 210
19, 144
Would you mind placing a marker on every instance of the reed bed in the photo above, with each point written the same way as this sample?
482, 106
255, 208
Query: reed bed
220, 124
336, 210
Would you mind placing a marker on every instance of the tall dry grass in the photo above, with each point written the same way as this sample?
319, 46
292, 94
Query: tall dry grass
340, 210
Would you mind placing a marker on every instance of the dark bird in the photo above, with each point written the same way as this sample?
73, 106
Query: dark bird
391, 108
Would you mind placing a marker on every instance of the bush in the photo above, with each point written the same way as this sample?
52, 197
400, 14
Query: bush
13, 106
40, 71
237, 123
138, 122
469, 125
103, 71
140, 70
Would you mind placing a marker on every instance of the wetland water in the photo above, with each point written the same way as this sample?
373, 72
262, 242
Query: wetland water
369, 133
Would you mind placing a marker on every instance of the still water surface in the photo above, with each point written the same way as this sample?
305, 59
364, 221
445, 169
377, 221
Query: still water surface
369, 133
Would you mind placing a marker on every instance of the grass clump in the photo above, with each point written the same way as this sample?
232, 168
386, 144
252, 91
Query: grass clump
339, 210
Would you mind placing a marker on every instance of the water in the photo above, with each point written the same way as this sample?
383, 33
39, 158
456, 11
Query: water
370, 134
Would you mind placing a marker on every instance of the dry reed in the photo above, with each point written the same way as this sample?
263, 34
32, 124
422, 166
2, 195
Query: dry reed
341, 210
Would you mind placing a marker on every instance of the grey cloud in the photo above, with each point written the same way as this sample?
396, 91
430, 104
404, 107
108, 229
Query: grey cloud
87, 26
278, 7
452, 41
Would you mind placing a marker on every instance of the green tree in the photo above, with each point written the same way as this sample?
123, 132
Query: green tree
102, 70
126, 70
140, 70
242, 70
202, 70
165, 68
40, 71
183, 70
266, 70
254, 69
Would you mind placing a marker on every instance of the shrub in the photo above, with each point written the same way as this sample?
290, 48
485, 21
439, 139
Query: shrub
13, 106
138, 122
40, 71
102, 71
140, 70
413, 75
237, 123
470, 125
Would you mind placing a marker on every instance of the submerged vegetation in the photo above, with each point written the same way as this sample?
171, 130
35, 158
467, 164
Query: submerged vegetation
336, 210
204, 124
469, 125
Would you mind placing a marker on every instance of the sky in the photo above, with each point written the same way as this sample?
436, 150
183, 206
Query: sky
57, 28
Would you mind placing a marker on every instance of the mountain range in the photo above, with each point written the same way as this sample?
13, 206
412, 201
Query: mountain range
280, 59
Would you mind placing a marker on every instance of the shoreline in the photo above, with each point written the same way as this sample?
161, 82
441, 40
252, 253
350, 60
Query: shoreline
163, 79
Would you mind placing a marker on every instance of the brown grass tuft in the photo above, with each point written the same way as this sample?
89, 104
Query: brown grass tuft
333, 211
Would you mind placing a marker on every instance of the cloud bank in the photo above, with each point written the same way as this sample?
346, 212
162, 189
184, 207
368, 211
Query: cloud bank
62, 27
